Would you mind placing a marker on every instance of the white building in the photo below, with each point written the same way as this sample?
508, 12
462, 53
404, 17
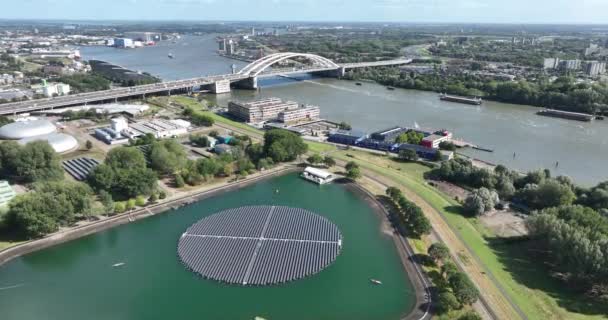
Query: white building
6, 193
317, 175
119, 124
595, 68
551, 63
158, 128
571, 64
56, 89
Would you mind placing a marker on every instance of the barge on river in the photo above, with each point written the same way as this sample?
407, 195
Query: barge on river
566, 115
474, 101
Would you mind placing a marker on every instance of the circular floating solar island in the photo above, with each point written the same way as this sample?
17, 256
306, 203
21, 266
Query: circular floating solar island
260, 245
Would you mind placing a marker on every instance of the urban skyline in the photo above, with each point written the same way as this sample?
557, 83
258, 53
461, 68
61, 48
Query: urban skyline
471, 11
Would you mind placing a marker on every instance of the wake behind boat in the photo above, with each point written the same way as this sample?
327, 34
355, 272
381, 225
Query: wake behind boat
374, 281
120, 264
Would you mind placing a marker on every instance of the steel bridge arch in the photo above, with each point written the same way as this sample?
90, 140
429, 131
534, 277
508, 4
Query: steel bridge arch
255, 68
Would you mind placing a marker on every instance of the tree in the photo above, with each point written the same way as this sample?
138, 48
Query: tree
37, 161
410, 137
199, 140
315, 159
464, 290
120, 207
200, 119
439, 252
179, 181
446, 302
153, 197
393, 193
408, 155
480, 201
447, 145
162, 194
329, 161
549, 193
470, 315
89, 145
350, 165
167, 156
282, 145
448, 269
106, 200
354, 173
344, 126
125, 158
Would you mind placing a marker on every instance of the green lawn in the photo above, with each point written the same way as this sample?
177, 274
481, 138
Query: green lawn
552, 302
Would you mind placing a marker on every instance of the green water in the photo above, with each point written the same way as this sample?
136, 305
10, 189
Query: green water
76, 280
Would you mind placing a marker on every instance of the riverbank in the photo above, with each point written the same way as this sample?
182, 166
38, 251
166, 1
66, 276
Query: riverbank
73, 233
412, 266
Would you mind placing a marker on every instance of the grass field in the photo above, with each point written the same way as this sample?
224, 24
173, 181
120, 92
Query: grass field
527, 283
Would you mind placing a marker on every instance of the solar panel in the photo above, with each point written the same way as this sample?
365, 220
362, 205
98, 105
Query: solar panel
260, 245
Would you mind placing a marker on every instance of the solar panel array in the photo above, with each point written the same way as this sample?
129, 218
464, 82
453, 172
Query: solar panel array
79, 168
260, 245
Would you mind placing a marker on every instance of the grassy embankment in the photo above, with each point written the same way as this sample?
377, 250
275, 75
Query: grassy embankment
526, 282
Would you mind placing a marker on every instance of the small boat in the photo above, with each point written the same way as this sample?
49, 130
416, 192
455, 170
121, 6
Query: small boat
390, 88
358, 83
170, 55
374, 281
258, 318
120, 264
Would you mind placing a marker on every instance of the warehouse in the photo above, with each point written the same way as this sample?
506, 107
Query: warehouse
159, 128
349, 137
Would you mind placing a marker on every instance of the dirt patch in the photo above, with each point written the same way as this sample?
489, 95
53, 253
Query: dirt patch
452, 190
504, 224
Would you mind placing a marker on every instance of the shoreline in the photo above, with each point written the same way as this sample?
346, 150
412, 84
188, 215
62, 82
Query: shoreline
422, 305
63, 236
418, 280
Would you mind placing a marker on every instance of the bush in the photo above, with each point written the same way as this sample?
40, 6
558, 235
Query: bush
140, 201
130, 204
446, 302
120, 207
463, 288
162, 194
179, 181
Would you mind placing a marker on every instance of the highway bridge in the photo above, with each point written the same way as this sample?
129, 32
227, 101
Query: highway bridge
268, 66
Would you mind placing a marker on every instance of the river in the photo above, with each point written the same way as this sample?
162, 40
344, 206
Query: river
520, 139
76, 280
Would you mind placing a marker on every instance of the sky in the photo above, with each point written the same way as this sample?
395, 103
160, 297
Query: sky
478, 11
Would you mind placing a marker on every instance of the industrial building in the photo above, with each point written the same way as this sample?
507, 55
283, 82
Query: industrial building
145, 37
60, 142
222, 148
53, 89
111, 108
272, 109
123, 43
433, 140
159, 128
348, 137
305, 113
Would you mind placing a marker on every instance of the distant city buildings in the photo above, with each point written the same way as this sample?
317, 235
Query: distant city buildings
595, 68
55, 89
123, 43
551, 63
273, 109
145, 37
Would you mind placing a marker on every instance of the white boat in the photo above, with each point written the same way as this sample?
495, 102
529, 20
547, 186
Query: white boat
170, 55
120, 264
374, 281
317, 175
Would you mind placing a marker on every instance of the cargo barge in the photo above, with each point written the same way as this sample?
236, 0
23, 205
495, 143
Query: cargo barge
566, 115
465, 100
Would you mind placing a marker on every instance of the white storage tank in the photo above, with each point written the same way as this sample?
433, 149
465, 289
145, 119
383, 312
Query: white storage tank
25, 129
60, 142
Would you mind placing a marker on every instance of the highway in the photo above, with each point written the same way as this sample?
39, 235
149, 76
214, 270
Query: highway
124, 92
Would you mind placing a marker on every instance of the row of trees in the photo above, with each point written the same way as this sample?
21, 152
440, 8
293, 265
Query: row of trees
411, 216
564, 93
455, 288
536, 189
